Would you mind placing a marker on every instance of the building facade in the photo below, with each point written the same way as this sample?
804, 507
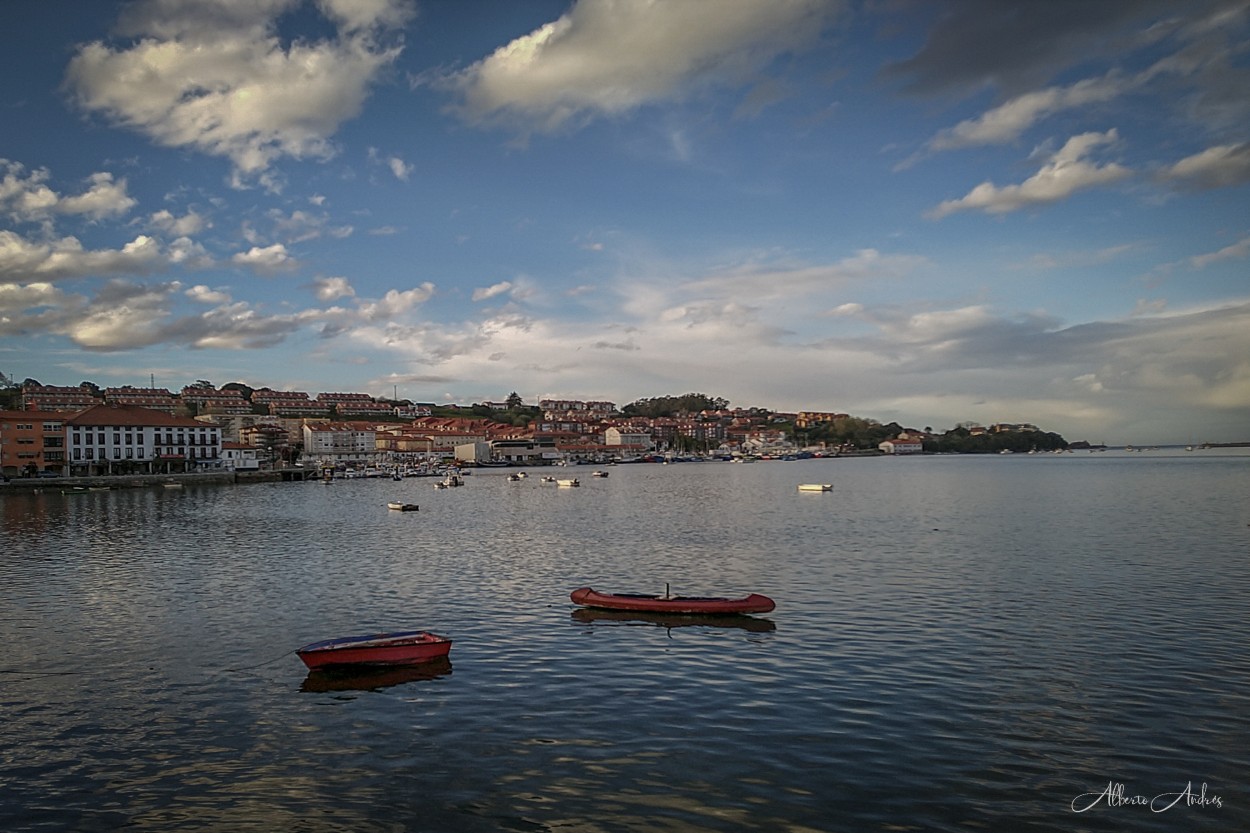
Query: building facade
120, 439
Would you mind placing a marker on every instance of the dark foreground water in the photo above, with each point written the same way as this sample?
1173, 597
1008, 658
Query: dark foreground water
985, 643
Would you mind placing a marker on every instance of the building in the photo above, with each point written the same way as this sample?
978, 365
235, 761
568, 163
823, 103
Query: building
340, 443
120, 439
157, 399
32, 442
54, 398
902, 444
289, 403
806, 419
632, 438
239, 457
206, 400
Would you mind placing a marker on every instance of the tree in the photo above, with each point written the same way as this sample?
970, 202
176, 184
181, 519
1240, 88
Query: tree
514, 401
667, 406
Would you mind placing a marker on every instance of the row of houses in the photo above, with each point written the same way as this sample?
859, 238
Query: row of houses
111, 439
203, 399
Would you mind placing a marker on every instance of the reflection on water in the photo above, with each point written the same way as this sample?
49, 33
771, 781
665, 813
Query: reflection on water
372, 678
588, 616
959, 643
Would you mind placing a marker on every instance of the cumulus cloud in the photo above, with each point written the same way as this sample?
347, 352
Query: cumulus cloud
399, 168
265, 259
1216, 167
488, 292
215, 76
206, 295
184, 226
1010, 120
604, 58
329, 289
396, 302
25, 196
24, 260
1066, 173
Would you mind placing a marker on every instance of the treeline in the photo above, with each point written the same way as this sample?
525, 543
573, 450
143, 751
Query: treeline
961, 441
667, 406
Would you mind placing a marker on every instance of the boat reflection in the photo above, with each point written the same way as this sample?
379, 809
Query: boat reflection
590, 615
366, 678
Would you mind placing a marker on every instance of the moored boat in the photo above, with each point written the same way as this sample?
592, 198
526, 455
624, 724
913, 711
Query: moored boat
402, 507
752, 603
571, 481
815, 487
395, 648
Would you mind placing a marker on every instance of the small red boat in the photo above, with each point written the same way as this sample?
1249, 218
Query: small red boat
397, 648
589, 597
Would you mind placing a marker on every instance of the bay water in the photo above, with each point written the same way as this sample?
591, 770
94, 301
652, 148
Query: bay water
1006, 642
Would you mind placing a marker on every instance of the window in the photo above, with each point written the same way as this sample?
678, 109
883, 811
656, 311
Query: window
117, 453
90, 453
130, 454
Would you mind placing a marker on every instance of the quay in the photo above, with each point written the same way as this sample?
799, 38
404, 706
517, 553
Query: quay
134, 481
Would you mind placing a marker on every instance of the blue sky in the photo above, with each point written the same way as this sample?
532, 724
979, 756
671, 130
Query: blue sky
929, 212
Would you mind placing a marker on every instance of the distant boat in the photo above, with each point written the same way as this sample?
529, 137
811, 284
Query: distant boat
753, 603
402, 507
598, 473
571, 481
395, 648
815, 487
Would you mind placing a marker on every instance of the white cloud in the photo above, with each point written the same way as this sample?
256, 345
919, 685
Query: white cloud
1066, 173
265, 259
186, 225
1237, 251
216, 77
1216, 167
488, 292
401, 170
605, 58
1008, 121
329, 289
206, 295
395, 303
23, 260
105, 198
27, 197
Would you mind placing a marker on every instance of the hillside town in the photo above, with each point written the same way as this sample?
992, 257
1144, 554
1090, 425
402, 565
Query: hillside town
84, 430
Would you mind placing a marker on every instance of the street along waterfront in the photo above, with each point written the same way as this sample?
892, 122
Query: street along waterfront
957, 642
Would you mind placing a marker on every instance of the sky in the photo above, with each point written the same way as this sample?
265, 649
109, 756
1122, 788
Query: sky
906, 210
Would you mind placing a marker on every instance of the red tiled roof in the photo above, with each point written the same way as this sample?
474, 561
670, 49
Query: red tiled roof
110, 415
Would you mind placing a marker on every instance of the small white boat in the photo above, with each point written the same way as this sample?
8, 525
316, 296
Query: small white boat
815, 487
402, 507
598, 473
572, 481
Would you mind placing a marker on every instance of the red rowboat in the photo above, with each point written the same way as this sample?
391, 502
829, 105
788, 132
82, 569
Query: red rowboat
754, 603
398, 648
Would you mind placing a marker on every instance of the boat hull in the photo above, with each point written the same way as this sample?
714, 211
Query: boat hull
379, 649
707, 605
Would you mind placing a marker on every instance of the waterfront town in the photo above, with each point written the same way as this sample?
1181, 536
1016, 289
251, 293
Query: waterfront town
87, 431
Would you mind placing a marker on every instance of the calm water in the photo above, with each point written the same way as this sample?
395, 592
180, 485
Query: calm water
959, 643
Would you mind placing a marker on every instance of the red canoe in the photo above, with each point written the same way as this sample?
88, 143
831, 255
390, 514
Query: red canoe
398, 648
754, 603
